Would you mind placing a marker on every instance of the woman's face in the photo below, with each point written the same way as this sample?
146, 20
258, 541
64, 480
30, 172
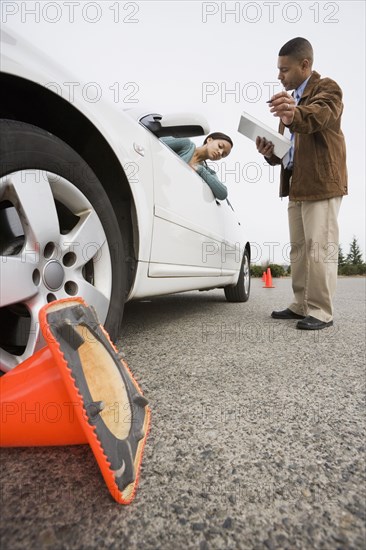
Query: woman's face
217, 149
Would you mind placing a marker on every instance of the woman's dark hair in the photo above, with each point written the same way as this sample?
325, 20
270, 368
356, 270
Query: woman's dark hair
219, 135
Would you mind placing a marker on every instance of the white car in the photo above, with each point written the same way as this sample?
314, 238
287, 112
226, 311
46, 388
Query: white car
92, 203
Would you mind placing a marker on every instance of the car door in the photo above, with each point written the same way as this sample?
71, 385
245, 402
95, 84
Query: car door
233, 246
188, 228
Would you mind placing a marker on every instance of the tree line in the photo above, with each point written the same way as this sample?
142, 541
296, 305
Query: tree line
348, 264
352, 263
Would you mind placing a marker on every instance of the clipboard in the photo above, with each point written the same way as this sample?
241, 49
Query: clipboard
252, 127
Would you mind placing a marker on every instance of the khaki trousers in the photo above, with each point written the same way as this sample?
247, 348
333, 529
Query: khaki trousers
314, 240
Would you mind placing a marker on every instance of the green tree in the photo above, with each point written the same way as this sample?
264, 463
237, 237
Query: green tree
354, 257
341, 257
256, 270
277, 270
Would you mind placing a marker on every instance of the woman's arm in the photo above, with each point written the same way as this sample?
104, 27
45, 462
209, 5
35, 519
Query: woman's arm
218, 188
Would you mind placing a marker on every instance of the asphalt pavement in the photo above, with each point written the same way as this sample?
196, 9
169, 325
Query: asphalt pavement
257, 435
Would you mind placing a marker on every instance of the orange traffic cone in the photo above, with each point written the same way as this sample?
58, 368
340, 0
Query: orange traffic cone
269, 279
76, 390
264, 277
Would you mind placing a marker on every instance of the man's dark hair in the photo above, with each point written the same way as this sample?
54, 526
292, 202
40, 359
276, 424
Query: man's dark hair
219, 135
298, 48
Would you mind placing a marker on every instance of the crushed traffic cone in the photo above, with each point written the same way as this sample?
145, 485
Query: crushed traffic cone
268, 283
76, 390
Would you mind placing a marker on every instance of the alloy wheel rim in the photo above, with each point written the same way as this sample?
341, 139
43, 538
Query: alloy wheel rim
53, 247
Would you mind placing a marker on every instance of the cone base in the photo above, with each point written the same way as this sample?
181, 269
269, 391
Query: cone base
80, 369
36, 409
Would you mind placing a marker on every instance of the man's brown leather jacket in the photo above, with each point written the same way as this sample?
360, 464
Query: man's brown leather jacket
319, 168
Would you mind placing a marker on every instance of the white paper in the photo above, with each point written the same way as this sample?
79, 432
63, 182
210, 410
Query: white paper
252, 128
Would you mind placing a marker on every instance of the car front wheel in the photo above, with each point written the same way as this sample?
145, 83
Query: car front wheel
240, 292
59, 237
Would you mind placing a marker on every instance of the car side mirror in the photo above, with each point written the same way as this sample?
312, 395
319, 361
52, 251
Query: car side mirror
177, 125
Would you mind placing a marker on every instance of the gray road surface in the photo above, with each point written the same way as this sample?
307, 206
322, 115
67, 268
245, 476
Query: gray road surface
257, 438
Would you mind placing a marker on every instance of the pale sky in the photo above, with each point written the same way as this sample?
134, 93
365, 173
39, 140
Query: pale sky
218, 59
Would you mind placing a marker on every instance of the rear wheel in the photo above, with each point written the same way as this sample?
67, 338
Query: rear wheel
240, 292
59, 237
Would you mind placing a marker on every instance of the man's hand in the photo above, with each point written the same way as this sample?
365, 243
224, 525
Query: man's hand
283, 105
264, 147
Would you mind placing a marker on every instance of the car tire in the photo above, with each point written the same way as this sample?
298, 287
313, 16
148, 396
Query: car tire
59, 237
240, 292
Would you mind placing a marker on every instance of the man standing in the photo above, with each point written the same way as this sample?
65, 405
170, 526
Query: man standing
314, 177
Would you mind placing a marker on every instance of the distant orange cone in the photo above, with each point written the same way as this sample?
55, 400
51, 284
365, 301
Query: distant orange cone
269, 279
76, 390
264, 277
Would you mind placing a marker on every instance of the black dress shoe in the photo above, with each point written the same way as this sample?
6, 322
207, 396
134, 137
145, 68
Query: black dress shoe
286, 314
311, 323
